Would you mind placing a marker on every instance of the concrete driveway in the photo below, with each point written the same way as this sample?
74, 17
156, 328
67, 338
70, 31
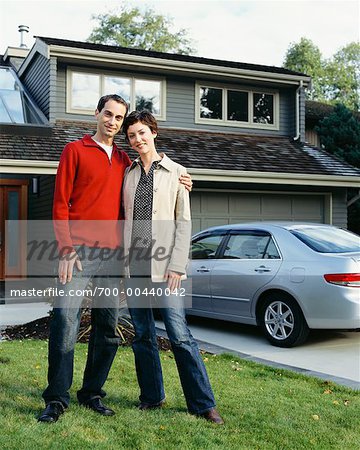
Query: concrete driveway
331, 355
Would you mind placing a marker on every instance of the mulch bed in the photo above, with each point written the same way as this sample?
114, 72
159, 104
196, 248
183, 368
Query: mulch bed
39, 329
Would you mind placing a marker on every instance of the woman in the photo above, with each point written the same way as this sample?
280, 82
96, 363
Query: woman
156, 239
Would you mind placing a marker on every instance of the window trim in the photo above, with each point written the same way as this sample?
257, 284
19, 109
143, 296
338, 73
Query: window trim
102, 75
234, 123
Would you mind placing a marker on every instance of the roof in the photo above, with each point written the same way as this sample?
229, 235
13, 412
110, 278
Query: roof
168, 56
191, 148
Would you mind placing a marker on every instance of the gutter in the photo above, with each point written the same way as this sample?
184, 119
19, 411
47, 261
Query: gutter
41, 167
82, 55
279, 178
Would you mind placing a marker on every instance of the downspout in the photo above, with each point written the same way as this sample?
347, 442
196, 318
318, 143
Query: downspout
297, 111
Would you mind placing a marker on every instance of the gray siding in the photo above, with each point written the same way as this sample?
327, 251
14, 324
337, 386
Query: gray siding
37, 82
339, 209
40, 207
53, 90
180, 108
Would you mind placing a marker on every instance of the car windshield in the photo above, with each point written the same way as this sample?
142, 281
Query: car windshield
328, 240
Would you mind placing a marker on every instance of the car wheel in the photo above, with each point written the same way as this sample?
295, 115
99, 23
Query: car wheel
282, 321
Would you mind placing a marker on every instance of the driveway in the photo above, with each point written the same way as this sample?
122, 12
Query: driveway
331, 355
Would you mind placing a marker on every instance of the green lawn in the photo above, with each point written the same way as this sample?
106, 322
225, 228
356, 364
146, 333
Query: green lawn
264, 408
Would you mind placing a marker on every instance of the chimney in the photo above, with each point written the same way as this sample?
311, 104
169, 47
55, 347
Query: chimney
16, 55
22, 30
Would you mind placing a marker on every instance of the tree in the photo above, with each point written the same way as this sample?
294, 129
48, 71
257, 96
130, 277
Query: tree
334, 79
340, 135
148, 31
343, 76
306, 57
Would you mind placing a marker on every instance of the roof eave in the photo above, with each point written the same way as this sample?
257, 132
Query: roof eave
217, 175
82, 54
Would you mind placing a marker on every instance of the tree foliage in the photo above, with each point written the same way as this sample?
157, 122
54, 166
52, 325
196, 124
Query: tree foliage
340, 135
143, 30
334, 79
305, 57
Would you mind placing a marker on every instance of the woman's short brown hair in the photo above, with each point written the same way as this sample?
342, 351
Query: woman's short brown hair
144, 117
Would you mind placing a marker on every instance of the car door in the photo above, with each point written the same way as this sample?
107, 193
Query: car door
249, 260
203, 256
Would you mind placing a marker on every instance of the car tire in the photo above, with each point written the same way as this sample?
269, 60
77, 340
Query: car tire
282, 320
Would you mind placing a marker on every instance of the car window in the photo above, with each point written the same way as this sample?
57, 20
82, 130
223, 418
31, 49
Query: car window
248, 246
206, 247
328, 240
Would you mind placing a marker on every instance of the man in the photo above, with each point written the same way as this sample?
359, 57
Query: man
86, 213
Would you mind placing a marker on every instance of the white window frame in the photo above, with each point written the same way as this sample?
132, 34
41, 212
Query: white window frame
102, 75
233, 123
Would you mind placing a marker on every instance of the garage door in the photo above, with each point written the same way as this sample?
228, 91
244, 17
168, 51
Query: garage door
217, 208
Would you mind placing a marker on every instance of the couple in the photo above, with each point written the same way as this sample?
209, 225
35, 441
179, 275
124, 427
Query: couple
88, 203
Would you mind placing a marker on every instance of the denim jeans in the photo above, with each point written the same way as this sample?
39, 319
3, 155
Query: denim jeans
192, 372
64, 327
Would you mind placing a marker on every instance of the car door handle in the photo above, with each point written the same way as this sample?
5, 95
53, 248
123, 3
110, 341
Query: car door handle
202, 269
262, 269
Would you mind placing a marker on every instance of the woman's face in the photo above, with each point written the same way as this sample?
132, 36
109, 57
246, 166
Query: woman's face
141, 138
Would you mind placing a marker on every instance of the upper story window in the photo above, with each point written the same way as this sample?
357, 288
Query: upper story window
84, 90
236, 107
15, 104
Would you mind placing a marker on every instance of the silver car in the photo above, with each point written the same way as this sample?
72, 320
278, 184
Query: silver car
286, 277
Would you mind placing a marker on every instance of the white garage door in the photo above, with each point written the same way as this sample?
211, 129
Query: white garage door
217, 208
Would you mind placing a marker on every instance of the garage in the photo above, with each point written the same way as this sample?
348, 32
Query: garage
212, 208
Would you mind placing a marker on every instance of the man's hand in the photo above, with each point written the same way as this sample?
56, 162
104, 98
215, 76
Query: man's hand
173, 280
66, 266
186, 181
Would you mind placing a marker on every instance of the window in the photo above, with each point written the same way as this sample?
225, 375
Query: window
15, 104
210, 103
205, 247
236, 107
249, 246
85, 89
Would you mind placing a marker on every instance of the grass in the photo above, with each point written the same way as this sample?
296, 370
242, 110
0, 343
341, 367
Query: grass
264, 408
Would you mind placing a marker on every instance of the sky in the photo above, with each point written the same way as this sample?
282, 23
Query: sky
253, 31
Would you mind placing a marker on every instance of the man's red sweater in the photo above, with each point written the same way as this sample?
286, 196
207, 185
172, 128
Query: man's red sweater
87, 198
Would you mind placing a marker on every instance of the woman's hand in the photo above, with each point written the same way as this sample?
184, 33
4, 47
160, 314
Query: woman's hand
186, 181
173, 280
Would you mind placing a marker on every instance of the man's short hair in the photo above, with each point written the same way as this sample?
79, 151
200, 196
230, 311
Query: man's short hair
144, 116
116, 98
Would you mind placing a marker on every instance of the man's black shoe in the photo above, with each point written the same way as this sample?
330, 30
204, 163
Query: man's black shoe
146, 406
51, 413
97, 405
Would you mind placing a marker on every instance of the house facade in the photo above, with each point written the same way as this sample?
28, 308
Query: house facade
238, 128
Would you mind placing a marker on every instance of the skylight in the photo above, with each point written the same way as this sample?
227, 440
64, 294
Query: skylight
15, 105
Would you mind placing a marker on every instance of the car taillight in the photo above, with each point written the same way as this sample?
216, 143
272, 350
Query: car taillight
343, 279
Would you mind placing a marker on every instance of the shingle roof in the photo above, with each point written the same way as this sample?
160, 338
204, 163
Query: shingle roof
193, 149
170, 56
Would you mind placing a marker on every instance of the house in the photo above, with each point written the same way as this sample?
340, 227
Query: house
238, 128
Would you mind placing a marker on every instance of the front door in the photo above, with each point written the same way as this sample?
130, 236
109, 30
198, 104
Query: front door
13, 212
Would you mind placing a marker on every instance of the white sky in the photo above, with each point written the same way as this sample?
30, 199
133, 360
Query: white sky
248, 31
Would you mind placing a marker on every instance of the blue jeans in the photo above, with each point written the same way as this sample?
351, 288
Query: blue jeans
64, 327
192, 372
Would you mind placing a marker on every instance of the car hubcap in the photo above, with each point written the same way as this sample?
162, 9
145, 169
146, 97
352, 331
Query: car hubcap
279, 320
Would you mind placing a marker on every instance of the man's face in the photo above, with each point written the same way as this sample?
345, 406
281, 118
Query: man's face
110, 118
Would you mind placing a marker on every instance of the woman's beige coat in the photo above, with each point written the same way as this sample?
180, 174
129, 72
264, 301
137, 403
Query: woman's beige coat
171, 218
